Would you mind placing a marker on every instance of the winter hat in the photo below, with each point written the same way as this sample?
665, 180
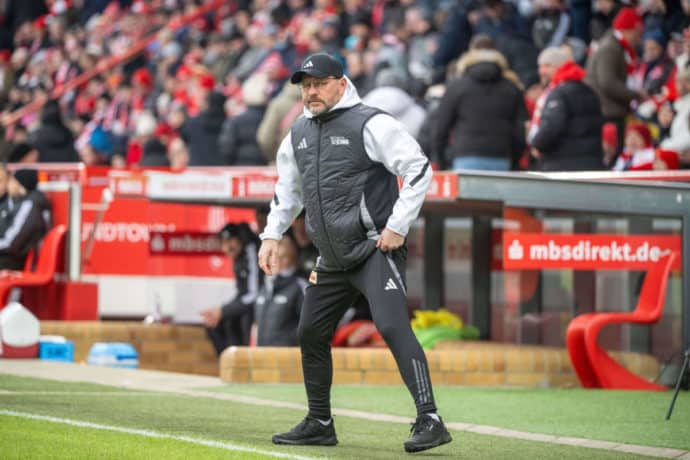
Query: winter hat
657, 35
28, 178
609, 134
100, 141
142, 77
643, 130
627, 19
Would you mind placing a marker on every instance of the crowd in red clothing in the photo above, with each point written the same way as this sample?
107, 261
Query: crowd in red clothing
214, 90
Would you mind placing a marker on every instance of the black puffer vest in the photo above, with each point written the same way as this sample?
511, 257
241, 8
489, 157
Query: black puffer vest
347, 196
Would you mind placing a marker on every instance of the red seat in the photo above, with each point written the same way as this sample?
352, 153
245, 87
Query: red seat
594, 367
52, 247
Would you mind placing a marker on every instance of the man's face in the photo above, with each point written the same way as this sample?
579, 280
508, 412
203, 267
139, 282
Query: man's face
287, 255
652, 50
319, 95
232, 247
546, 72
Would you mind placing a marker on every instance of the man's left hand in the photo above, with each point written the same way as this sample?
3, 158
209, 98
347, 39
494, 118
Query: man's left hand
211, 317
389, 240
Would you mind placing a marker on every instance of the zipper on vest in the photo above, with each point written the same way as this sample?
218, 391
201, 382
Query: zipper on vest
318, 193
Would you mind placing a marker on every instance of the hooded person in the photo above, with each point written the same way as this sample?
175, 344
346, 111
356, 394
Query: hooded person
201, 133
390, 96
230, 323
565, 130
53, 140
341, 162
485, 90
27, 221
237, 143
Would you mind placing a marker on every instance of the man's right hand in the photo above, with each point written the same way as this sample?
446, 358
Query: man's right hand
268, 256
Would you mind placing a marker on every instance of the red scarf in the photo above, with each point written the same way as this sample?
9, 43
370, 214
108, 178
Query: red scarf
630, 54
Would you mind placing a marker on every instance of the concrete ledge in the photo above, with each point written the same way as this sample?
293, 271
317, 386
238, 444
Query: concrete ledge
451, 363
164, 347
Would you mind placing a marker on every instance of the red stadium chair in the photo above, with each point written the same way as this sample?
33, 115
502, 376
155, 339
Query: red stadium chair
594, 367
46, 266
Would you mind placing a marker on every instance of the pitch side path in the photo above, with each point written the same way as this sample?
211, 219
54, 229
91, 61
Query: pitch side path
202, 386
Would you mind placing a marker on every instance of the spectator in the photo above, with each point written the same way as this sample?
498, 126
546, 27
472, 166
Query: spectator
640, 154
484, 91
98, 149
269, 133
237, 143
178, 154
230, 324
201, 133
27, 221
279, 302
565, 130
678, 125
390, 95
307, 252
53, 140
655, 75
602, 20
551, 25
610, 66
23, 153
20, 12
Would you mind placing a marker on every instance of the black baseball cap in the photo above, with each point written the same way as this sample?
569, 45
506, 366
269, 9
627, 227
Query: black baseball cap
319, 65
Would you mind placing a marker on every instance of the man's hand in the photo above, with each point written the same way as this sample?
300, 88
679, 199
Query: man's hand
211, 317
389, 240
268, 256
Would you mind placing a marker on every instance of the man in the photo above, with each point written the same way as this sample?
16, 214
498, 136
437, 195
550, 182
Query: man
565, 131
340, 162
26, 219
230, 324
611, 64
278, 306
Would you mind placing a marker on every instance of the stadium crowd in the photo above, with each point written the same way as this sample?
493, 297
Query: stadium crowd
488, 84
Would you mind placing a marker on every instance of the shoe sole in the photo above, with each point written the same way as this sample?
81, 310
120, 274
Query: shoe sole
445, 439
330, 441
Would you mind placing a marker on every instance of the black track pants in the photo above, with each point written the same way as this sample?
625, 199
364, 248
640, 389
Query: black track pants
381, 280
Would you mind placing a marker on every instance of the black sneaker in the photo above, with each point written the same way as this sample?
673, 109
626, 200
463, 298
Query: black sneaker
309, 432
427, 433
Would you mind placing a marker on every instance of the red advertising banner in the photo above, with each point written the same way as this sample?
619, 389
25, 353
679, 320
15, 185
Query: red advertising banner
185, 244
586, 251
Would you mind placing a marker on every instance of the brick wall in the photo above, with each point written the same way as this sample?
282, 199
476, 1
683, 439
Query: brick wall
452, 363
163, 347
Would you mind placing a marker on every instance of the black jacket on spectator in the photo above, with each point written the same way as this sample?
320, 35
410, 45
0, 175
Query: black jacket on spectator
237, 143
248, 280
201, 133
154, 154
481, 114
25, 223
277, 310
569, 129
17, 12
53, 140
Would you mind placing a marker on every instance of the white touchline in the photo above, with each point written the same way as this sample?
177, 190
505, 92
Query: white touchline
155, 434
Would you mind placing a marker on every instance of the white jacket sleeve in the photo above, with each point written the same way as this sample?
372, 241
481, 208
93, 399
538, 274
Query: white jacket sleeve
287, 200
387, 141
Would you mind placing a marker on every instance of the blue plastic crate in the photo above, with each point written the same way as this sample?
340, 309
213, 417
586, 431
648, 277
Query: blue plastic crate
56, 351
